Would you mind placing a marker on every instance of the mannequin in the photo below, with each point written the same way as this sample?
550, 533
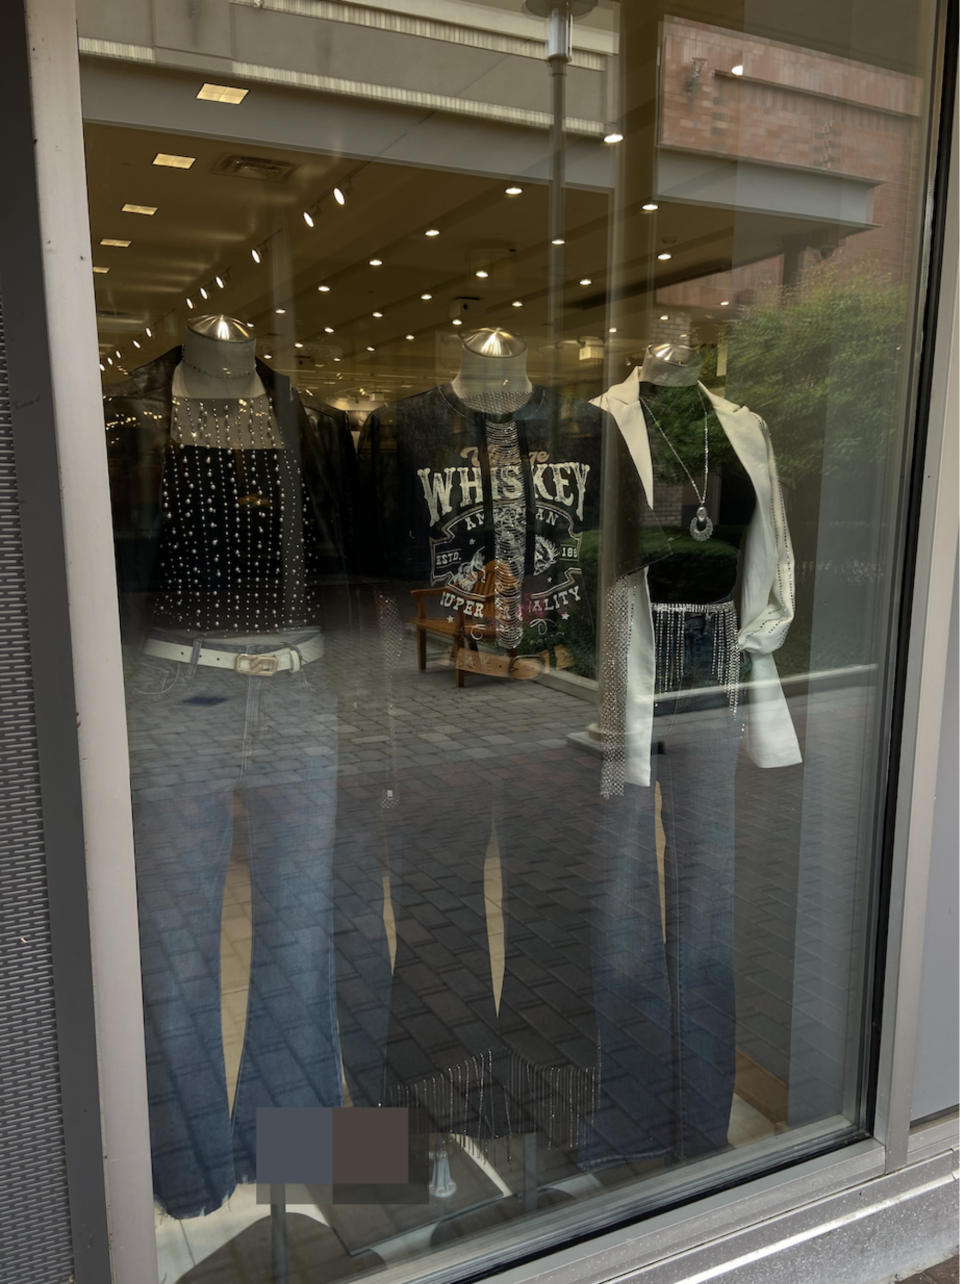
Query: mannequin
219, 360
228, 527
490, 468
685, 634
493, 370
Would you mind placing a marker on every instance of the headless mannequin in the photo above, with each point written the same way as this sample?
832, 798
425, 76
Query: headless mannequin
493, 371
223, 397
668, 365
218, 360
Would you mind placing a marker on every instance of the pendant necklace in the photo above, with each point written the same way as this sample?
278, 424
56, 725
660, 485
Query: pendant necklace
701, 527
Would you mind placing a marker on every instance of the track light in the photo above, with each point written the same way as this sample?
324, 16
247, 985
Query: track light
339, 196
256, 256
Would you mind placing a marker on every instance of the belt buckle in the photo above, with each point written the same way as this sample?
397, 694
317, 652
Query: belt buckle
258, 666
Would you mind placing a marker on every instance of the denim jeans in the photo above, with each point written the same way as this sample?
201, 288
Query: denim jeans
205, 745
663, 940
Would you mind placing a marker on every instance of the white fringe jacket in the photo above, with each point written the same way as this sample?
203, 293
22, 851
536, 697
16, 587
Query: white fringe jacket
766, 589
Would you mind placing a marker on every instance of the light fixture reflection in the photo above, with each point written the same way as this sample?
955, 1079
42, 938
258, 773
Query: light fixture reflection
664, 256
613, 137
724, 303
482, 273
190, 303
558, 240
586, 280
425, 297
457, 321
432, 231
737, 70
369, 349
650, 207
517, 303
148, 332
203, 293
376, 262
409, 337
328, 329
324, 289
223, 329
513, 191
376, 314
298, 345
219, 281
338, 196
255, 255
308, 218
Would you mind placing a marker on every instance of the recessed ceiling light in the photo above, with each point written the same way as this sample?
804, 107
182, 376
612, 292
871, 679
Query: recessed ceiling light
324, 289
338, 196
280, 312
482, 273
103, 367
613, 137
138, 209
308, 218
219, 281
558, 240
432, 231
110, 240
665, 317
376, 262
203, 293
136, 343
116, 353
148, 332
724, 303
376, 314
664, 256
586, 280
173, 161
425, 297
109, 361
328, 329
101, 271
298, 345
649, 207
513, 191
222, 94
189, 303
410, 337
268, 356
369, 349
612, 330
737, 70
337, 359
256, 256
517, 303
457, 321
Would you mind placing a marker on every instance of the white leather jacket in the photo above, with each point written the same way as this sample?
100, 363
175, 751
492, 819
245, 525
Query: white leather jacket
766, 589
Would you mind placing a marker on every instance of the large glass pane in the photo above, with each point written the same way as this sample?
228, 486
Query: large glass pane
508, 416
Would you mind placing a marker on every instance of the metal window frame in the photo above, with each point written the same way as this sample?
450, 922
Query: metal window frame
726, 1233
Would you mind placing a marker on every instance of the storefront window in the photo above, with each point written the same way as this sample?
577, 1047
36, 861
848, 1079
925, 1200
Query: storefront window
508, 421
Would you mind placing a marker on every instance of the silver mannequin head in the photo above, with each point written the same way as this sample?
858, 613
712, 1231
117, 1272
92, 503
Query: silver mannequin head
671, 365
222, 328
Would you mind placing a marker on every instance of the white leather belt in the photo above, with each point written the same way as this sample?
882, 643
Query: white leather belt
261, 665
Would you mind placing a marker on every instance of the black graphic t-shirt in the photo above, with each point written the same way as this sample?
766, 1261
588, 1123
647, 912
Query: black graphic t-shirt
429, 495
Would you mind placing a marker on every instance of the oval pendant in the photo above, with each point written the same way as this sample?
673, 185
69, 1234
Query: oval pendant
698, 531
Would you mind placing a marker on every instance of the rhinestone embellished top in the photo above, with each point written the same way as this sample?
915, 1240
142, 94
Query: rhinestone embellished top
238, 548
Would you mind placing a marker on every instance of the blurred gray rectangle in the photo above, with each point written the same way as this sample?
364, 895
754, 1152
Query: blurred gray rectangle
295, 1145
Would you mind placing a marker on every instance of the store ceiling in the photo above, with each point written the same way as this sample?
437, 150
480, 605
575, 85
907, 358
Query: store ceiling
211, 216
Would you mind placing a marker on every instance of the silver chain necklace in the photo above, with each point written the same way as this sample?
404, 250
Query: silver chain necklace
701, 527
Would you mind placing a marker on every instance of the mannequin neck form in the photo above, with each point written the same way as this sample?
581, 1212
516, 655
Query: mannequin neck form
670, 366
217, 368
480, 377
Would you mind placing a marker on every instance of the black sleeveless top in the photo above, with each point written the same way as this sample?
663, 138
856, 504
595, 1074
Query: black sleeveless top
695, 570
238, 544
